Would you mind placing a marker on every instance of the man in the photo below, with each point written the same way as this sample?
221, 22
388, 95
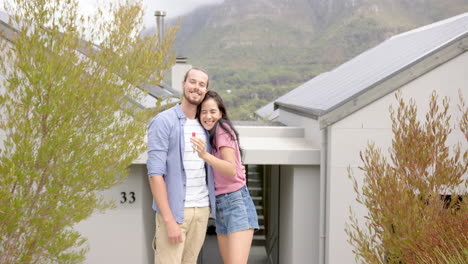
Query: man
181, 183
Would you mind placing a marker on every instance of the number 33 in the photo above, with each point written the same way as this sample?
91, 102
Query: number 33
131, 197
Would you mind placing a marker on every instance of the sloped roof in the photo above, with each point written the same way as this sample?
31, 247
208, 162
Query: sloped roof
332, 90
6, 30
268, 112
162, 90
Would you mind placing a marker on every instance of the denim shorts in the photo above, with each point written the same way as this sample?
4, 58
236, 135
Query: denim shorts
235, 212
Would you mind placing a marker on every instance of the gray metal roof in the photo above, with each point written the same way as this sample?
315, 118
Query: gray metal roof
6, 30
258, 123
3, 16
268, 112
162, 90
333, 89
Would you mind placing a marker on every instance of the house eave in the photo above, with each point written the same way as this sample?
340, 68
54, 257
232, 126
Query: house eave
6, 31
271, 145
302, 111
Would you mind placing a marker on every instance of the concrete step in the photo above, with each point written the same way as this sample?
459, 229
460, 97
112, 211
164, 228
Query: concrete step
254, 183
256, 191
259, 209
258, 240
258, 200
261, 230
261, 220
254, 174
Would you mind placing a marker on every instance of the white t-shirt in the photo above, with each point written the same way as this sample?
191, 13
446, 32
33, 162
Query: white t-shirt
196, 194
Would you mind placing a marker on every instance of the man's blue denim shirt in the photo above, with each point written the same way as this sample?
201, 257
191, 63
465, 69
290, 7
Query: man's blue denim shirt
165, 158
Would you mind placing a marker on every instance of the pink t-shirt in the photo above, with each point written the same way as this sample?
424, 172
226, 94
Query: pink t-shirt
223, 183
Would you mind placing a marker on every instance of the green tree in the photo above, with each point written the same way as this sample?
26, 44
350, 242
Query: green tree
410, 219
69, 128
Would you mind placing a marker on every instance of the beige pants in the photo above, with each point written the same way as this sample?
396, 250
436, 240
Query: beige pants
193, 235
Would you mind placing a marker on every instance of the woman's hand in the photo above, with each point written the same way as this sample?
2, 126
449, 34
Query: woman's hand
199, 146
225, 165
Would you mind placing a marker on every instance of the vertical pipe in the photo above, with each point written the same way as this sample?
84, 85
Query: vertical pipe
160, 24
323, 196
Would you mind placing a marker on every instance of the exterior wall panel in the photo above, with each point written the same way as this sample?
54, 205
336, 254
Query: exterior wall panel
299, 214
123, 234
372, 123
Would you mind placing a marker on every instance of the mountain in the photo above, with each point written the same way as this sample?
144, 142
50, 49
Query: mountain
257, 50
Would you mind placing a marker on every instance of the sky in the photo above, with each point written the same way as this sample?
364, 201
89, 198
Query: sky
173, 8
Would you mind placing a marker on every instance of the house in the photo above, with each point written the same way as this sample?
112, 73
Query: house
340, 112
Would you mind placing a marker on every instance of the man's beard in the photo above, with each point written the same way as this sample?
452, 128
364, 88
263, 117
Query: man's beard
193, 102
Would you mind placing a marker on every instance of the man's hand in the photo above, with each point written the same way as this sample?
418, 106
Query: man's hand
159, 191
174, 234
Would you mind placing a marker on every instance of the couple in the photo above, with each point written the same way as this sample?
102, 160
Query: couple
195, 170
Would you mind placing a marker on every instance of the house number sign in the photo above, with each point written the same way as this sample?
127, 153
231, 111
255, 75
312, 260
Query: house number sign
127, 197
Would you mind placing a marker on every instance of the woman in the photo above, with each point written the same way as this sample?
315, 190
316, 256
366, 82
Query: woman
236, 217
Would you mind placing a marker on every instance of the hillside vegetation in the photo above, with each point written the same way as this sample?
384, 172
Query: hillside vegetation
255, 51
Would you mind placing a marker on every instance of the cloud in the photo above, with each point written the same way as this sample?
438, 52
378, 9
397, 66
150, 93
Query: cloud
173, 8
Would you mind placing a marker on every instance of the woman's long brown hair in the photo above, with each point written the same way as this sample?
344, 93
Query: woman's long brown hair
224, 122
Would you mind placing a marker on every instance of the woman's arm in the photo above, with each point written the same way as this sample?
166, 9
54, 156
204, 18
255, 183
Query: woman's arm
226, 165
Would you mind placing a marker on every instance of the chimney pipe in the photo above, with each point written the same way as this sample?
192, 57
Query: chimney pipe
160, 24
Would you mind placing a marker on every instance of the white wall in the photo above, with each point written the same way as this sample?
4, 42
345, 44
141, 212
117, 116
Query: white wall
124, 234
311, 126
299, 214
2, 87
372, 123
